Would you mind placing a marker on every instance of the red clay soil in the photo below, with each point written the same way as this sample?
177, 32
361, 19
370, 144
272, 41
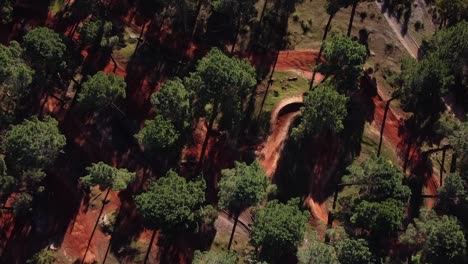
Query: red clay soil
395, 134
298, 61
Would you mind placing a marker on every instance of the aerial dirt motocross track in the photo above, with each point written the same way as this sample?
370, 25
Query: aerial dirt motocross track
288, 109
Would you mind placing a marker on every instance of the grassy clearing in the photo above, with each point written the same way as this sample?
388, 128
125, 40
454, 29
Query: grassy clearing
56, 5
370, 143
282, 89
126, 45
386, 51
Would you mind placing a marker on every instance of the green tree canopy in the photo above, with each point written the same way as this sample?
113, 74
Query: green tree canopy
379, 217
7, 183
451, 11
317, 252
223, 83
98, 33
101, 90
158, 134
14, 72
279, 228
452, 193
242, 186
15, 77
45, 256
215, 257
33, 144
344, 59
107, 177
46, 50
172, 101
422, 86
353, 251
324, 110
6, 11
450, 47
378, 179
439, 238
22, 204
171, 202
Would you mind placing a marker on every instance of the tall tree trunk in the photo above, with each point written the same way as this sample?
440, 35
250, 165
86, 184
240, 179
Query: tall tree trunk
351, 20
195, 23
387, 107
214, 114
407, 156
270, 80
442, 166
233, 231
263, 11
237, 35
453, 163
149, 247
314, 72
95, 225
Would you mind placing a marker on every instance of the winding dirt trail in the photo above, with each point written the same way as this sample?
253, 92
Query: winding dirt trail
270, 151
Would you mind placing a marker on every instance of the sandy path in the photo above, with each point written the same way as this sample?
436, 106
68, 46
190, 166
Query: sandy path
406, 40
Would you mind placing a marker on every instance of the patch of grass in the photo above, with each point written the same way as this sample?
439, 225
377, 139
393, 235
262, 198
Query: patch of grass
56, 5
282, 89
127, 45
370, 144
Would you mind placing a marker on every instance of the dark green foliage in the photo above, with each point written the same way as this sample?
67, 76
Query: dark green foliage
172, 101
15, 74
242, 9
324, 111
378, 179
242, 186
46, 50
279, 228
379, 217
171, 202
158, 134
45, 256
453, 193
440, 239
98, 33
33, 144
15, 77
107, 177
345, 60
421, 87
354, 251
101, 90
317, 252
7, 183
224, 83
450, 46
213, 257
6, 11
22, 204
451, 11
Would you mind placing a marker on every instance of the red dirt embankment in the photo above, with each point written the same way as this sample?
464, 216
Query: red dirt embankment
298, 61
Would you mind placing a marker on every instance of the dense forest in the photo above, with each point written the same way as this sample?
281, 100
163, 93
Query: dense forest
233, 131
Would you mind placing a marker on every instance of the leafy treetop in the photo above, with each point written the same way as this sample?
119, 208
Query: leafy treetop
33, 144
279, 228
439, 238
242, 186
324, 110
46, 49
344, 59
107, 177
213, 257
171, 202
101, 90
